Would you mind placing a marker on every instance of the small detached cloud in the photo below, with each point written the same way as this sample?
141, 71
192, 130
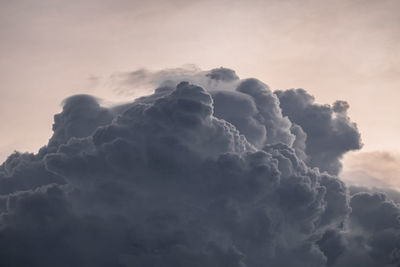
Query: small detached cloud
373, 169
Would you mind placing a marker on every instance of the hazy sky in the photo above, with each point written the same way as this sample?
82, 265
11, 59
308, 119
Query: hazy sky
346, 50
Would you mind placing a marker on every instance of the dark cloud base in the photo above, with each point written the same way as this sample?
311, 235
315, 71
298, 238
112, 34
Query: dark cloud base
235, 175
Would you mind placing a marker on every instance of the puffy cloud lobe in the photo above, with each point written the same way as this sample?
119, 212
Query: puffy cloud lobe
372, 237
185, 177
222, 74
25, 171
240, 110
255, 111
330, 133
80, 117
269, 111
391, 194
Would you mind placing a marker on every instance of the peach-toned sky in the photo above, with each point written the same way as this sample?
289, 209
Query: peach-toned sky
342, 49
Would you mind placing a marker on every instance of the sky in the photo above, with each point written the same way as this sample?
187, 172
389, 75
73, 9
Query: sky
157, 148
346, 49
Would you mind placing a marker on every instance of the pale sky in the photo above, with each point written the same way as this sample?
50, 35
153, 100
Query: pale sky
345, 49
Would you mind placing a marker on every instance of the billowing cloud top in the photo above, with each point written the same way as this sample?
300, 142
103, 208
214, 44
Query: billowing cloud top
209, 171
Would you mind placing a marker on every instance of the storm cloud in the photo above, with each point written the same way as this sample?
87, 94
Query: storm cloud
209, 170
330, 133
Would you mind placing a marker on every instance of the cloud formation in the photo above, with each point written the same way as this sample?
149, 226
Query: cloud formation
226, 175
330, 133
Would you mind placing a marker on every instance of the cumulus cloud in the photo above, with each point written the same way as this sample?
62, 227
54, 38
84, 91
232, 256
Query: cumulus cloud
194, 176
372, 237
330, 133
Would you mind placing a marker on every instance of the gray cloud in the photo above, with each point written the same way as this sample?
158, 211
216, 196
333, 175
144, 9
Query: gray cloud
372, 234
330, 133
191, 177
80, 117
